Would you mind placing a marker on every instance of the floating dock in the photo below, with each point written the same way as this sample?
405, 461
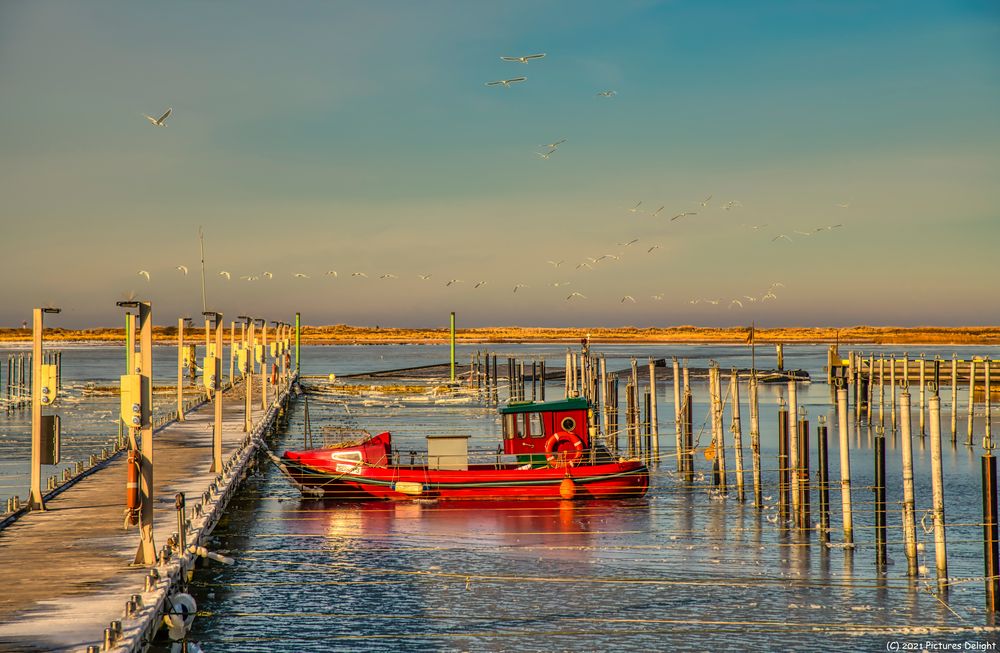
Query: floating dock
83, 592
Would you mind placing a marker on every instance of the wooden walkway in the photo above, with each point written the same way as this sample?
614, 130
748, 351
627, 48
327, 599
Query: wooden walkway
66, 573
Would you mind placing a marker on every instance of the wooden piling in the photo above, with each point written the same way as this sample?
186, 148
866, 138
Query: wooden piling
654, 426
824, 480
783, 467
923, 393
719, 440
972, 399
892, 385
678, 410
879, 488
755, 442
987, 400
845, 467
937, 487
909, 509
541, 381
793, 446
991, 551
954, 398
737, 427
881, 390
802, 468
569, 374
870, 389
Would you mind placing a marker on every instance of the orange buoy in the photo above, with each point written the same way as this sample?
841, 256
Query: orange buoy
567, 488
710, 452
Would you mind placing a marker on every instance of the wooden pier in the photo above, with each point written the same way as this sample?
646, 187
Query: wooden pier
67, 571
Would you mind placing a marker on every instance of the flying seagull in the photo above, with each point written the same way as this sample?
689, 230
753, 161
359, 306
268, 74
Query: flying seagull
628, 298
451, 281
143, 273
388, 276
845, 205
520, 285
555, 264
657, 211
650, 250
183, 268
681, 215
506, 82
635, 209
554, 145
268, 275
525, 59
658, 297
781, 236
576, 294
546, 155
607, 93
584, 265
560, 283
331, 273
161, 121
226, 275
736, 302
704, 202
424, 277
478, 284
359, 274
299, 275
631, 242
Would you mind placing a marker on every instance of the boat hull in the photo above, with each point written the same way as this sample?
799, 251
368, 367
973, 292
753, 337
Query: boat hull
603, 481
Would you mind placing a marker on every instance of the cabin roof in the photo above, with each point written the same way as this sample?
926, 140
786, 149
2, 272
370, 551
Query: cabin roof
573, 403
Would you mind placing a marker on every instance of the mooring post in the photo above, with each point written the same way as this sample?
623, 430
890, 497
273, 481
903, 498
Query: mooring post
247, 371
802, 468
858, 375
972, 398
870, 389
954, 397
180, 367
923, 392
43, 392
845, 467
991, 551
909, 509
779, 351
232, 353
605, 399
213, 383
734, 385
677, 409
298, 343
567, 380
783, 467
541, 380
793, 446
654, 425
720, 442
937, 487
451, 345
143, 423
986, 399
880, 521
824, 480
263, 364
755, 441
892, 391
881, 390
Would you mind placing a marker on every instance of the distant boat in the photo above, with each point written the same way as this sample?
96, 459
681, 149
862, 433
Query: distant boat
547, 454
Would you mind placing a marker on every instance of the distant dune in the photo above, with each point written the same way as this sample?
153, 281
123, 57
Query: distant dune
344, 334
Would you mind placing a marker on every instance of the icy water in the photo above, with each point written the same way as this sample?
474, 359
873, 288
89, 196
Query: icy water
680, 569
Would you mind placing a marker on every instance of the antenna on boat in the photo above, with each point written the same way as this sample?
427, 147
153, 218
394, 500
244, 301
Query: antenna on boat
201, 241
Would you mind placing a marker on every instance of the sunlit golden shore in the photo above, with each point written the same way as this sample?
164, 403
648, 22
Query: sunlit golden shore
344, 334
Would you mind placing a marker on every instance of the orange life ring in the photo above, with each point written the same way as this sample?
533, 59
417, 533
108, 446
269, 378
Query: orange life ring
562, 456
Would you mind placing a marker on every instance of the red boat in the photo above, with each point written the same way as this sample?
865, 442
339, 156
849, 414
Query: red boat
550, 454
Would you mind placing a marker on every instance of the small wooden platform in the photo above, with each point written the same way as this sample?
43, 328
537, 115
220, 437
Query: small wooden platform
66, 572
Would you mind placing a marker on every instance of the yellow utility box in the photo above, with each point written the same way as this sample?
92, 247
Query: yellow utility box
49, 378
210, 373
131, 400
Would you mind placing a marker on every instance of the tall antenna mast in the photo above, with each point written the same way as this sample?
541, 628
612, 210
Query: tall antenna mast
201, 241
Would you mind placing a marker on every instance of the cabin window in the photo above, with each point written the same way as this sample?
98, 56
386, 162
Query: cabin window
535, 427
512, 427
568, 424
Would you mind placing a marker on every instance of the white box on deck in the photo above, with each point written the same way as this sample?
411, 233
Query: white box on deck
448, 452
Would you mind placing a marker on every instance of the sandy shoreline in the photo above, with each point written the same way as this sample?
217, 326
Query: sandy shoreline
348, 335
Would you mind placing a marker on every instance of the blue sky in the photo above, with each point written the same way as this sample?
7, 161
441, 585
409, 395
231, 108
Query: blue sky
360, 137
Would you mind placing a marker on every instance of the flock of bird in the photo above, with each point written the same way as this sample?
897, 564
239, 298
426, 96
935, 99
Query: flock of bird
589, 263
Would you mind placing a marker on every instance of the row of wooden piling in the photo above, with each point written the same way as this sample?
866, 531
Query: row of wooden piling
17, 391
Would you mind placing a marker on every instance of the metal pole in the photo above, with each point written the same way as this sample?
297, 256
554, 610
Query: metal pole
298, 341
146, 553
263, 366
954, 397
793, 445
972, 398
217, 402
923, 394
880, 522
653, 418
845, 466
782, 460
802, 468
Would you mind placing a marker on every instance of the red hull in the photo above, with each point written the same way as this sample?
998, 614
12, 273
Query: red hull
315, 472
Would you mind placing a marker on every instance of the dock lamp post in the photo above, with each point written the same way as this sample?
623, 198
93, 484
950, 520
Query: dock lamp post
137, 413
183, 360
283, 350
212, 379
248, 365
260, 352
44, 428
